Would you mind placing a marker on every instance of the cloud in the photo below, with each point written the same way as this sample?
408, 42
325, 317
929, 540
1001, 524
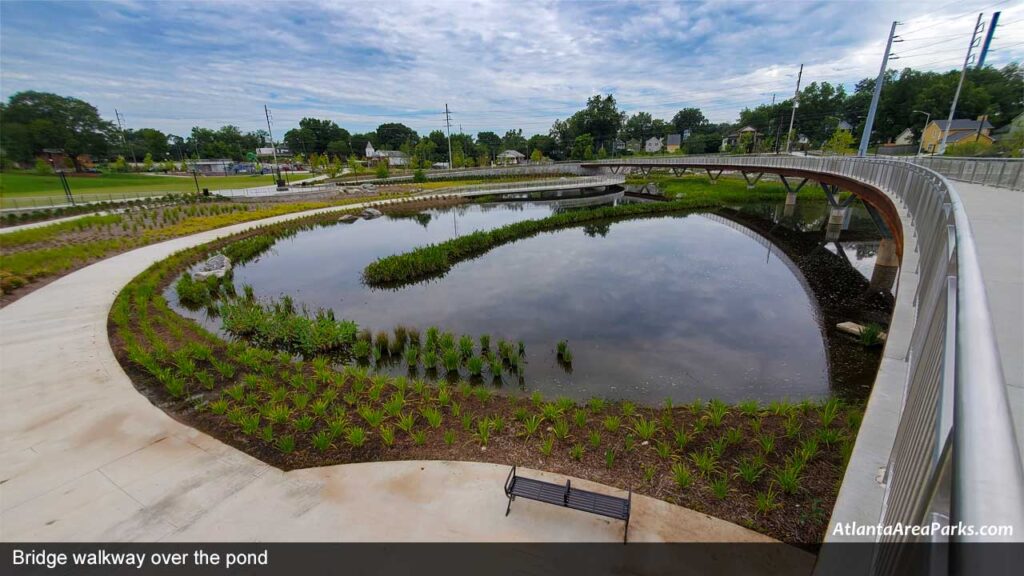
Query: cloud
498, 65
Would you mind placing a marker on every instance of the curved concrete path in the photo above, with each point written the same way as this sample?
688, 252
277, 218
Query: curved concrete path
85, 457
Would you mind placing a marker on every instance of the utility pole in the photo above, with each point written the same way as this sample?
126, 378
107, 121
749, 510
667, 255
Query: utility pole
448, 124
960, 85
988, 40
796, 104
869, 123
273, 148
124, 138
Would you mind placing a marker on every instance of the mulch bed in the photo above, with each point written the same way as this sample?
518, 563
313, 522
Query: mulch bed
799, 517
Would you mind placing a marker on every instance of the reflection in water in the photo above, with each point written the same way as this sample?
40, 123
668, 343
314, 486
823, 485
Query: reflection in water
672, 306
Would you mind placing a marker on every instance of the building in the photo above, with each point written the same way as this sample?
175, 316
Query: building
674, 141
394, 158
618, 145
905, 138
216, 167
633, 145
844, 125
733, 139
511, 157
653, 144
268, 152
961, 130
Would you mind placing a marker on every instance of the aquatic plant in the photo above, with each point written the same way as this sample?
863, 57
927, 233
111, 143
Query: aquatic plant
437, 259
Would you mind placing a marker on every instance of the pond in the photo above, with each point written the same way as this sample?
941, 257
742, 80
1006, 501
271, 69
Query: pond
674, 306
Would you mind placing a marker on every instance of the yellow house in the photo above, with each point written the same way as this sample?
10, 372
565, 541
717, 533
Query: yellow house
961, 131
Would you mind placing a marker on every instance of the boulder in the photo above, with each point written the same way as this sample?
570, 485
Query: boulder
348, 218
370, 213
218, 265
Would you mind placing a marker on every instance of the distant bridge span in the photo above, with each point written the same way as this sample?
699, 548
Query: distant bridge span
793, 171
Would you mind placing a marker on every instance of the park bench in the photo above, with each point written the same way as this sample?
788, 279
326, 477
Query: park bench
568, 497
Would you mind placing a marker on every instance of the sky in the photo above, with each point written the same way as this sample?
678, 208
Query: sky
497, 65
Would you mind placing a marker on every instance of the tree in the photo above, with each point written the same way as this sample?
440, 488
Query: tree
536, 156
150, 141
42, 167
359, 142
147, 162
601, 119
119, 165
490, 140
639, 126
320, 136
391, 136
841, 142
31, 121
167, 166
546, 144
514, 140
691, 119
583, 147
382, 169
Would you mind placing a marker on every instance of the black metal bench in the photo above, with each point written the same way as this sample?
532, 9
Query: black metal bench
568, 497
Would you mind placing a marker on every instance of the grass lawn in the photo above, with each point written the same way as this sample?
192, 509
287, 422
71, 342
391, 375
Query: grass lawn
22, 188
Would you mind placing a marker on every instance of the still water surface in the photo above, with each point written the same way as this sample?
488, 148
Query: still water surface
677, 306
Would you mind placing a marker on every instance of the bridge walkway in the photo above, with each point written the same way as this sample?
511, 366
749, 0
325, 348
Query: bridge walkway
997, 220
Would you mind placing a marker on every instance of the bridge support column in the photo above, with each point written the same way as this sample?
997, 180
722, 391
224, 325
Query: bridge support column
751, 183
837, 221
712, 176
790, 208
887, 266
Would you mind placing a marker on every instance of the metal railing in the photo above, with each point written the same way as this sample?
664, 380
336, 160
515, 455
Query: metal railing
564, 183
954, 457
998, 172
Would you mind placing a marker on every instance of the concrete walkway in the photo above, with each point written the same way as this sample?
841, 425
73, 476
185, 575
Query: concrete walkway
85, 457
997, 220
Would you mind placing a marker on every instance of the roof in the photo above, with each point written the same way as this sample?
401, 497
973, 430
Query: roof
844, 125
511, 154
653, 139
674, 139
962, 124
391, 154
211, 161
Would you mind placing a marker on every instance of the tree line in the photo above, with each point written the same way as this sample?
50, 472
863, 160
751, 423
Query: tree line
33, 121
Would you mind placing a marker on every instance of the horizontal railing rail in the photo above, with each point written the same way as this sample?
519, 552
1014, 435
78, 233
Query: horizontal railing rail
998, 172
538, 185
955, 455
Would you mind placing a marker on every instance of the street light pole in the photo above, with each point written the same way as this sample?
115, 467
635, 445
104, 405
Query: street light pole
927, 118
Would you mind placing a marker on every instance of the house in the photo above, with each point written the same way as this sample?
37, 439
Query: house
511, 157
844, 125
674, 141
653, 144
618, 145
633, 145
905, 138
369, 150
394, 158
960, 130
734, 138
